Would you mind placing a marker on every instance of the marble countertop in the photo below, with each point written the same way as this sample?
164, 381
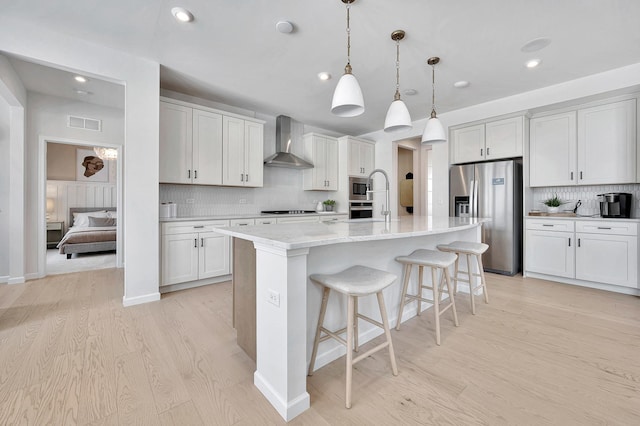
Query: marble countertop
302, 235
244, 216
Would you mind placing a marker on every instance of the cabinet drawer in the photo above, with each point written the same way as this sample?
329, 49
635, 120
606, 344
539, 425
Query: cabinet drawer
242, 222
266, 221
608, 227
551, 225
192, 226
298, 219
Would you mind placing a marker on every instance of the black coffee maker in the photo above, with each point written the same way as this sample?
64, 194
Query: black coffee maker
615, 205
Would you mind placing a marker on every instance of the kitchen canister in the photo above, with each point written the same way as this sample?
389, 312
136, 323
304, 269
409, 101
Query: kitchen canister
168, 210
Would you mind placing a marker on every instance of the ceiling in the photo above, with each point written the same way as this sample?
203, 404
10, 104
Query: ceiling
231, 53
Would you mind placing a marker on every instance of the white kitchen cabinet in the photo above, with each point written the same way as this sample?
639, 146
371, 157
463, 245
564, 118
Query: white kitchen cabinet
360, 156
333, 218
550, 252
193, 251
607, 143
190, 145
242, 152
604, 255
298, 219
322, 152
488, 141
266, 221
589, 146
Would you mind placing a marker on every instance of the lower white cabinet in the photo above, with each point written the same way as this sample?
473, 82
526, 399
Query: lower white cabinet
596, 251
193, 251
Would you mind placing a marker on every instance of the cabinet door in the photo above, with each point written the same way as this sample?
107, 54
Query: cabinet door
607, 144
214, 254
367, 158
550, 253
179, 258
609, 259
315, 151
354, 162
175, 143
468, 144
504, 138
233, 151
331, 164
207, 148
254, 158
552, 150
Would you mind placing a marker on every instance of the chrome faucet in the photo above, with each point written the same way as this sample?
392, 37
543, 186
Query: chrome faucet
387, 212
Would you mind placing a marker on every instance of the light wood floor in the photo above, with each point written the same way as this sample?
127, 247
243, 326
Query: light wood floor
540, 353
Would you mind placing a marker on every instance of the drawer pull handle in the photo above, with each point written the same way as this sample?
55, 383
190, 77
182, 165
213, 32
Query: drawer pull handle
195, 242
603, 227
578, 242
544, 224
198, 227
569, 242
242, 224
201, 242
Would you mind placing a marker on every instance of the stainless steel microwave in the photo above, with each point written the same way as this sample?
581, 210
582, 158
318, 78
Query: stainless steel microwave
358, 188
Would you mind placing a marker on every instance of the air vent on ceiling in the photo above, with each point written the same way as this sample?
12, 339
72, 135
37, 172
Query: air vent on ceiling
85, 123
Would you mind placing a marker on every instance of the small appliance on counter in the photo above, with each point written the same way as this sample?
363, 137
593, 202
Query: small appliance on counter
168, 210
615, 205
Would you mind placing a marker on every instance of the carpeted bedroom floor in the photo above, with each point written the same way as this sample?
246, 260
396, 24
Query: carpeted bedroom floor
59, 264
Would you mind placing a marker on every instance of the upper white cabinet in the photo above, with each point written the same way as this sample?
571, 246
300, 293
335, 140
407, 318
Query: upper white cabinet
202, 146
360, 156
242, 152
589, 146
488, 141
322, 152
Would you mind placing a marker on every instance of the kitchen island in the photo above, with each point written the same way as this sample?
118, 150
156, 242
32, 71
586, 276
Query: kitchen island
288, 304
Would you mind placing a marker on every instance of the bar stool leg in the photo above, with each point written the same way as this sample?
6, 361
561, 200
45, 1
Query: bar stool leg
453, 300
405, 284
350, 317
316, 341
356, 346
436, 303
455, 275
483, 281
385, 323
471, 286
420, 284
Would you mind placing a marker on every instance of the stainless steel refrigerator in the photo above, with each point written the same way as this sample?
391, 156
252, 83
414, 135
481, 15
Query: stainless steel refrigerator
492, 190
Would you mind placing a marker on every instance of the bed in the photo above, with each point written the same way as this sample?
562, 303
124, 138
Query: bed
90, 232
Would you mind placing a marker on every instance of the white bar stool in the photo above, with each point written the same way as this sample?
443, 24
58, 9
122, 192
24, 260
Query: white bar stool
468, 249
434, 260
354, 282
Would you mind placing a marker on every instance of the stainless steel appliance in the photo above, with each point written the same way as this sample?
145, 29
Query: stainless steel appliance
360, 209
615, 205
358, 188
288, 212
492, 190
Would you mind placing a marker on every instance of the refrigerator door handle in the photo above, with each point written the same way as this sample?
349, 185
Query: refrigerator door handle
472, 198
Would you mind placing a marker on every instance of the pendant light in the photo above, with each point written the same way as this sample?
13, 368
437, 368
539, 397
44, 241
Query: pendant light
434, 131
398, 118
347, 98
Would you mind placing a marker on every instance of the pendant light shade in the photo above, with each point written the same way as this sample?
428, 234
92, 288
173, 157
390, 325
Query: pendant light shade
347, 98
398, 118
434, 130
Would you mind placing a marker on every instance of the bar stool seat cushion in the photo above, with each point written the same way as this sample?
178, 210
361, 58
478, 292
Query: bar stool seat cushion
432, 258
464, 247
356, 281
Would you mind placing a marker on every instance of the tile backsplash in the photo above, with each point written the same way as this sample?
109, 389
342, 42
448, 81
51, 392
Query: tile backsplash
588, 195
282, 190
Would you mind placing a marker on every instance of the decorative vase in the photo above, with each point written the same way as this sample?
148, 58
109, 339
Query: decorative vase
553, 209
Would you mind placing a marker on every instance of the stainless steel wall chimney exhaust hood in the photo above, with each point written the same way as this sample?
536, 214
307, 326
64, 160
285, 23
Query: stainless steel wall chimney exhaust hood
283, 156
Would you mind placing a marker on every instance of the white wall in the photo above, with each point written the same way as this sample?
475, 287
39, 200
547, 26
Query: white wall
142, 80
4, 189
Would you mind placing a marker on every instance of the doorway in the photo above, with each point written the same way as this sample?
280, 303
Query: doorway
413, 176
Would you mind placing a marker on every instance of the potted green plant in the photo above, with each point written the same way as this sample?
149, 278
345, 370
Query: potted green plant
553, 204
328, 205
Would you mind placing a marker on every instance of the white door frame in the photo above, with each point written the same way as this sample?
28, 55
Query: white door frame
42, 197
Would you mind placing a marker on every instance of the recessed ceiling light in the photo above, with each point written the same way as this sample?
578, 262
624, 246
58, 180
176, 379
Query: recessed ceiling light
82, 92
536, 44
285, 27
461, 84
410, 92
182, 14
532, 63
324, 76
80, 79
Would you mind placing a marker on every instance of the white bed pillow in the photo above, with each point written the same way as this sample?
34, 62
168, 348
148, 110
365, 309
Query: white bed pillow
82, 219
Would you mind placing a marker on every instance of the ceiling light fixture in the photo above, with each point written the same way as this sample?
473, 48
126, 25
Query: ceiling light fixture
80, 79
284, 27
324, 76
106, 153
347, 98
398, 118
536, 44
433, 131
461, 84
533, 63
182, 14
82, 92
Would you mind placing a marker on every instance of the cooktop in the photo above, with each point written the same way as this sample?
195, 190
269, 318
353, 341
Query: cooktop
288, 211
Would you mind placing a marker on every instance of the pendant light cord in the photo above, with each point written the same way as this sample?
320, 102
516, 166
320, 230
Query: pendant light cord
397, 95
348, 67
433, 90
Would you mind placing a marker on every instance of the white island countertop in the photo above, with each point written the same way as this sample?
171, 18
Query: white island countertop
291, 236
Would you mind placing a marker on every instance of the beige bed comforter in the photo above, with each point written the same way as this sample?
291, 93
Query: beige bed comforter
78, 235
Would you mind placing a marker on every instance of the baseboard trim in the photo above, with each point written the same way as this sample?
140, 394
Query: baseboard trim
138, 300
287, 409
16, 280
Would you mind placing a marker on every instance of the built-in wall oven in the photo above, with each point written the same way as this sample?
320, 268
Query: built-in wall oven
359, 207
